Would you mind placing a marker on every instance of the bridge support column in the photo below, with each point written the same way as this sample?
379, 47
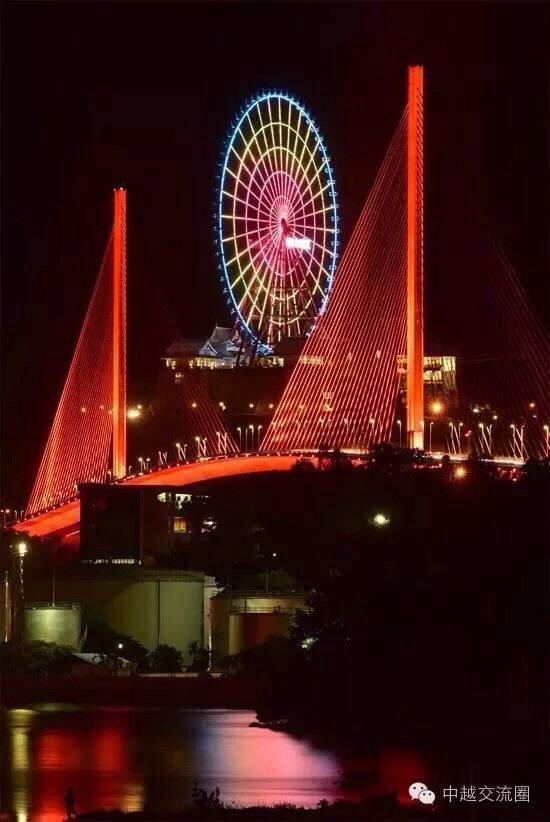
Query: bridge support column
119, 334
415, 259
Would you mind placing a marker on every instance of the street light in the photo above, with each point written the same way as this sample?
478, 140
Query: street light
259, 430
240, 439
22, 548
546, 429
381, 520
399, 423
437, 407
430, 442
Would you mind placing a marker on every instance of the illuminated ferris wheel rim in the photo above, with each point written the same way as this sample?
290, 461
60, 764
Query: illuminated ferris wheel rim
290, 242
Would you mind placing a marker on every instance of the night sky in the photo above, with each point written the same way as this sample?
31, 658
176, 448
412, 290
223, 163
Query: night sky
98, 95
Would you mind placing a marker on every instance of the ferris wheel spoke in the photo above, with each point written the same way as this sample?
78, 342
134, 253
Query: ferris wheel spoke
242, 184
324, 229
261, 153
246, 250
243, 271
267, 271
296, 133
324, 210
243, 202
257, 161
315, 193
279, 123
312, 154
267, 173
304, 183
262, 131
241, 218
254, 302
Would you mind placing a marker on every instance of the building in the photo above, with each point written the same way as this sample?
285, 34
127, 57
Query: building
126, 525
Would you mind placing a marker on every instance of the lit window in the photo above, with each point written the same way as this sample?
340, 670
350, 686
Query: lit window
179, 525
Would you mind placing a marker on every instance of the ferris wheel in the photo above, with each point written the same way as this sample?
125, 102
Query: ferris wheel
277, 222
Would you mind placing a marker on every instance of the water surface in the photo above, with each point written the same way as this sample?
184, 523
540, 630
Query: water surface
134, 759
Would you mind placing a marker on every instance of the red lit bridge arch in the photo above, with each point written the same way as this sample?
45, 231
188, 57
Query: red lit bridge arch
67, 516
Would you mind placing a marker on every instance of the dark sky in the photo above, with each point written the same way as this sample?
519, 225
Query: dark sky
100, 94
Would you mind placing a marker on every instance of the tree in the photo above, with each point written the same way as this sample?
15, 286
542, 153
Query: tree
104, 640
200, 657
165, 660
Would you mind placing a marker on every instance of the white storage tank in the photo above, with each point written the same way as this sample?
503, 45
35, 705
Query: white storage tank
60, 623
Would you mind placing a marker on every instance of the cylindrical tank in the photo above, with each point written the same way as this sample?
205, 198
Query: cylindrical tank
60, 624
240, 620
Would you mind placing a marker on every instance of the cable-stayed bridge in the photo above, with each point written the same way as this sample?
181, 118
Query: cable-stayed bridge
344, 389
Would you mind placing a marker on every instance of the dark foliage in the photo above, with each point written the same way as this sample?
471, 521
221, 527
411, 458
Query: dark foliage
165, 660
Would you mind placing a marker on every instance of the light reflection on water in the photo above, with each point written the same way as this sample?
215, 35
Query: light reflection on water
135, 759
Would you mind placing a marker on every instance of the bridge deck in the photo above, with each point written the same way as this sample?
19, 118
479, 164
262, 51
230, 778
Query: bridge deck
68, 515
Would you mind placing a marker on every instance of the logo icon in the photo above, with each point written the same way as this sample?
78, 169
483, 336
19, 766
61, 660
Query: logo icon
420, 791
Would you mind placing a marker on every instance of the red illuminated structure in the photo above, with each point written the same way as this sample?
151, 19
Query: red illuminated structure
344, 389
119, 334
78, 445
66, 518
415, 259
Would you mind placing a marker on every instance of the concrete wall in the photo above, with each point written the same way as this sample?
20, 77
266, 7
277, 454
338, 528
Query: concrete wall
50, 623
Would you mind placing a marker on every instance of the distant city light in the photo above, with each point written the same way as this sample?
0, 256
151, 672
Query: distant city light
380, 520
133, 413
22, 549
460, 472
193, 405
120, 646
532, 405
